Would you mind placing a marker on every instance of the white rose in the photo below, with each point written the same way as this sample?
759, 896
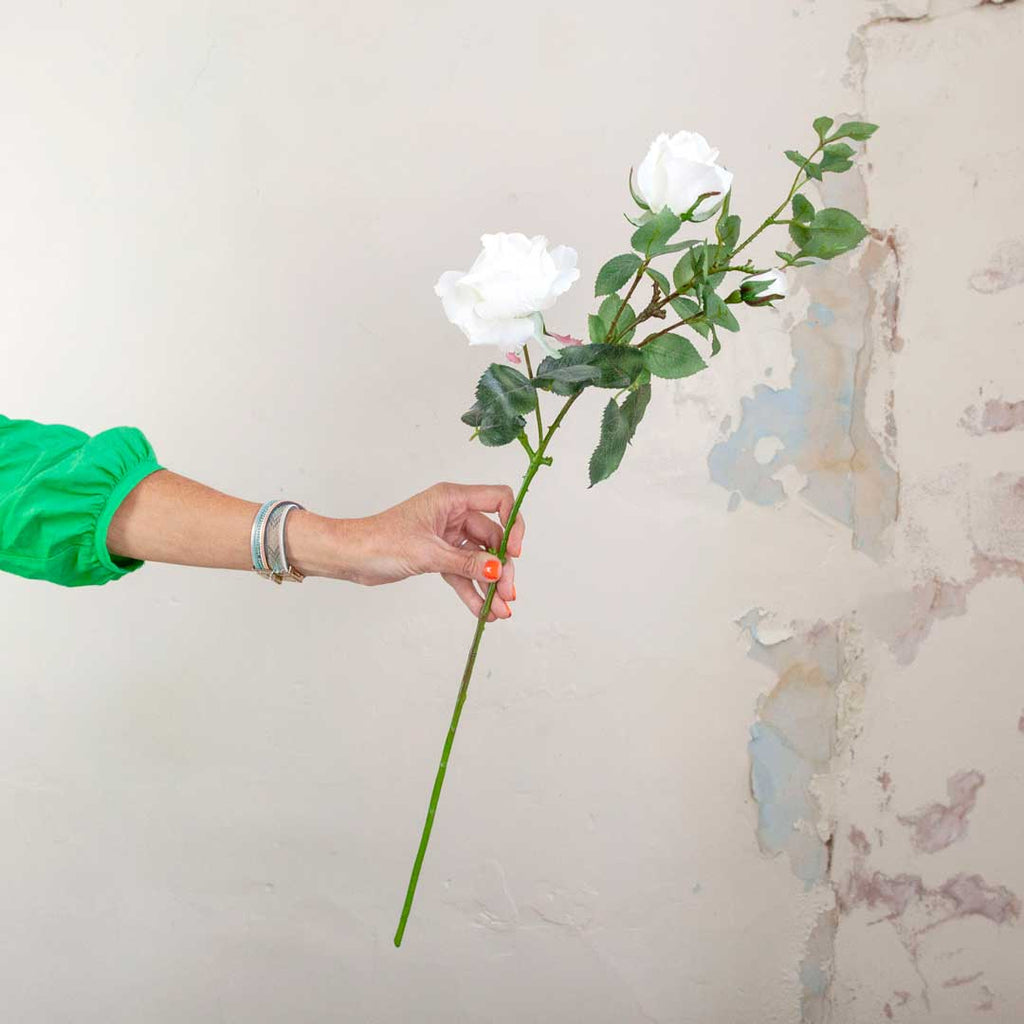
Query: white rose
677, 170
777, 287
499, 300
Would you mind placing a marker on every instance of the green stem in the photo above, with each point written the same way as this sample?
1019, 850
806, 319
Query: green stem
529, 373
610, 336
792, 191
536, 462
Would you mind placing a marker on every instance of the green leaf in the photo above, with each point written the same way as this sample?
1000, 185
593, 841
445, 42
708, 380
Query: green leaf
718, 312
596, 328
634, 407
615, 273
821, 125
608, 366
684, 307
728, 231
473, 416
831, 233
691, 268
859, 131
624, 326
566, 375
661, 279
716, 345
812, 169
612, 445
649, 238
503, 397
671, 356
632, 191
803, 209
836, 157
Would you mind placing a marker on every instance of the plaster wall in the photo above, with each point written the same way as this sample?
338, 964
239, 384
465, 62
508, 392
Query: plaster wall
751, 748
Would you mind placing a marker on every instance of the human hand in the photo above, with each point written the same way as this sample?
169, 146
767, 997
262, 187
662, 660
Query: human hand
445, 529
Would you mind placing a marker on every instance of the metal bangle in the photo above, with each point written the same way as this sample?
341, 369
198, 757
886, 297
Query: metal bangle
276, 556
255, 537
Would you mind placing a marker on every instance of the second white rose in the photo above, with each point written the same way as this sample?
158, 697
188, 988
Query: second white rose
678, 170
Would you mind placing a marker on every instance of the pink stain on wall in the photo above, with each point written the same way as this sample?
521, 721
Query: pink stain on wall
938, 825
994, 417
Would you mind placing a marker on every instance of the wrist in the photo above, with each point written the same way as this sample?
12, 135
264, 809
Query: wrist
321, 546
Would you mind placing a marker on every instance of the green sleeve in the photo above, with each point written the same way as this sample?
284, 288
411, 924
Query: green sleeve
59, 489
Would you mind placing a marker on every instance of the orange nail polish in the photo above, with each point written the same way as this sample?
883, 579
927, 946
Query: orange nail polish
513, 591
492, 570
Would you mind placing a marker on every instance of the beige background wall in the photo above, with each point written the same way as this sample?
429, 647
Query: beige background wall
222, 223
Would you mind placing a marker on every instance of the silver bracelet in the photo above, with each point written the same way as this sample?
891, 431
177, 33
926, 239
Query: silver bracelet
266, 541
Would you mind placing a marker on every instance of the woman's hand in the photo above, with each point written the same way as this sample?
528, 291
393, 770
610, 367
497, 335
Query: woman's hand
445, 529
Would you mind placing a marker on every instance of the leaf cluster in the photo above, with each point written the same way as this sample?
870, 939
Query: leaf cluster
688, 289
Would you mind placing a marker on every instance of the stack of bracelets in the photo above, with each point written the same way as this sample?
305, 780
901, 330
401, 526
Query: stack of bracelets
269, 557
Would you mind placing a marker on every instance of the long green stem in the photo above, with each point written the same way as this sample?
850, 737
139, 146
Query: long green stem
536, 462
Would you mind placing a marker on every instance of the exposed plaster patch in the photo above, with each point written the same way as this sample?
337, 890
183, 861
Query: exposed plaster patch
830, 435
791, 742
996, 416
904, 620
939, 825
817, 969
914, 909
1005, 268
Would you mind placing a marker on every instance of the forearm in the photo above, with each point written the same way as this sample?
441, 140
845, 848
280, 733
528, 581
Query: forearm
169, 518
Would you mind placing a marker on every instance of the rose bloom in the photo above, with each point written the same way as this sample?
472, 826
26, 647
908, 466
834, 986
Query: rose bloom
779, 286
677, 170
498, 301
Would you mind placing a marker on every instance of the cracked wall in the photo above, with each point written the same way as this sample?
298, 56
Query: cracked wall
954, 515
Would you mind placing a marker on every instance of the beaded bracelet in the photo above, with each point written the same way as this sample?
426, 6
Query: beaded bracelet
266, 542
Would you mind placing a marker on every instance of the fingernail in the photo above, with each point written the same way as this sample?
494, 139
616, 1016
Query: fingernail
492, 569
513, 591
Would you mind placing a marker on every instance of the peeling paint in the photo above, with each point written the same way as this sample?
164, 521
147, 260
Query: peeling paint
820, 424
792, 742
817, 970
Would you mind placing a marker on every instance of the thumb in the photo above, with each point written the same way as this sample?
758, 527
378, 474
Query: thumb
472, 563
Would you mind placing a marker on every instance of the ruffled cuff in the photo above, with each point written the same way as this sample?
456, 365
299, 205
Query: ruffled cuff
59, 491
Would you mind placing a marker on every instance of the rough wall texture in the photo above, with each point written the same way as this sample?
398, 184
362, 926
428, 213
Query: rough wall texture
751, 749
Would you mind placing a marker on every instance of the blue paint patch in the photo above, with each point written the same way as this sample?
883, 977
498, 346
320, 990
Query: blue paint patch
819, 315
813, 979
780, 780
769, 413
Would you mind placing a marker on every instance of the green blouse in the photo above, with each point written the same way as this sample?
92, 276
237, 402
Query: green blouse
59, 489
